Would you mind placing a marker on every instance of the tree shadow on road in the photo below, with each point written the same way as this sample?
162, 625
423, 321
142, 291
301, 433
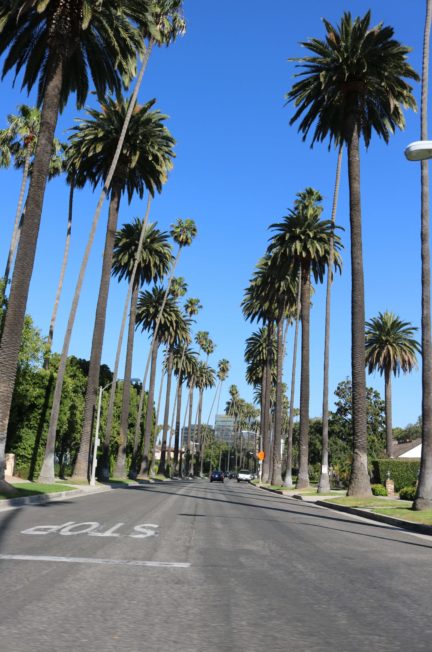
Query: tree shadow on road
313, 511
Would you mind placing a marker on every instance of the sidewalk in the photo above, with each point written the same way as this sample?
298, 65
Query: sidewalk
319, 499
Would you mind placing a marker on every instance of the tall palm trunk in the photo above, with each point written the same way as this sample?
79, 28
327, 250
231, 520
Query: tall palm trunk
267, 396
144, 470
324, 482
120, 469
155, 334
61, 279
288, 482
189, 431
277, 465
303, 476
162, 462
47, 471
424, 490
388, 412
199, 425
153, 457
359, 484
82, 463
18, 215
177, 425
14, 320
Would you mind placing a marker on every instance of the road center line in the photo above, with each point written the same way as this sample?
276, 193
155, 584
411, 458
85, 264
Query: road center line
91, 560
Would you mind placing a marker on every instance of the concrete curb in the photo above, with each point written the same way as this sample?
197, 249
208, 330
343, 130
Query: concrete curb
42, 499
419, 528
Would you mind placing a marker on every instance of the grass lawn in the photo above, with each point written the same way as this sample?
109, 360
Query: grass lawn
407, 514
33, 489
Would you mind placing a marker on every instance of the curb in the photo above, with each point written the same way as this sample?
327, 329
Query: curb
419, 528
42, 499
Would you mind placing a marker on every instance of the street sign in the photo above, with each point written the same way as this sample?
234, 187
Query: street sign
261, 455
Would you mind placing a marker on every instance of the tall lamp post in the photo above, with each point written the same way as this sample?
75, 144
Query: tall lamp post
421, 150
96, 439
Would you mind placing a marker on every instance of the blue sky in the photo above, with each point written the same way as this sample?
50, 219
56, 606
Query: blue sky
239, 166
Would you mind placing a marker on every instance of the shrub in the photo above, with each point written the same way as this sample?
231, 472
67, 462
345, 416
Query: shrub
407, 493
378, 490
403, 472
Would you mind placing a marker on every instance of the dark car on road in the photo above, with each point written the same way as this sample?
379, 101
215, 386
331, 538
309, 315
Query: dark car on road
217, 476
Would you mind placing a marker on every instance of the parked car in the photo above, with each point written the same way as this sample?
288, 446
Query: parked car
216, 476
244, 475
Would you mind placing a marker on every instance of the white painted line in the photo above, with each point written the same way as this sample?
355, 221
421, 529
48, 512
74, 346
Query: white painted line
91, 560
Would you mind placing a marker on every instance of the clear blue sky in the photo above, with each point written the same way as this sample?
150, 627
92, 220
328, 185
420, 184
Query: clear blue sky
239, 165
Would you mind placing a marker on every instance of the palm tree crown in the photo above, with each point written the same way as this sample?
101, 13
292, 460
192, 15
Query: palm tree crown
146, 156
183, 232
355, 73
303, 238
99, 38
390, 344
156, 254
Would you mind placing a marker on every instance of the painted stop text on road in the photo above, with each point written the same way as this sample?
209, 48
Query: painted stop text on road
95, 529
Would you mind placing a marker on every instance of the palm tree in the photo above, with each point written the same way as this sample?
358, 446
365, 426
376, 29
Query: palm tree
423, 498
205, 378
44, 40
176, 338
149, 315
304, 239
324, 481
145, 159
390, 349
19, 140
353, 84
153, 263
184, 361
256, 305
72, 180
288, 481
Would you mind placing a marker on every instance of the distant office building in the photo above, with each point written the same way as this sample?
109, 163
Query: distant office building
224, 427
194, 435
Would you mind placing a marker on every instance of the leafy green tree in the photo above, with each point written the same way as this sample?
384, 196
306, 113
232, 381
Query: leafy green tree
352, 83
390, 349
341, 420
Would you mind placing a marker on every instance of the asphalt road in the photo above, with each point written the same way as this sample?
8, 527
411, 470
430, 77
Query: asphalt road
193, 566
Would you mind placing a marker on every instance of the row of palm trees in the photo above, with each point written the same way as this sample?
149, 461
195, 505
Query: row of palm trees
353, 83
304, 246
123, 147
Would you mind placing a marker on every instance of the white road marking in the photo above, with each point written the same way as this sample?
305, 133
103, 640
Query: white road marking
93, 529
91, 560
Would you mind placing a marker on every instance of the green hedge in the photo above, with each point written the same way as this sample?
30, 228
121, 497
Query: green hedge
404, 473
407, 493
378, 490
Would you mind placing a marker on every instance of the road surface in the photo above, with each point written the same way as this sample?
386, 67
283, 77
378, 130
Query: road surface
194, 566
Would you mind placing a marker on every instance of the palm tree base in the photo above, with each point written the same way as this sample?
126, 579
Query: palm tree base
302, 483
8, 489
420, 504
324, 484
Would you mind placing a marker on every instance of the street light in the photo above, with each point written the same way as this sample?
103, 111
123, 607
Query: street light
420, 150
97, 440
